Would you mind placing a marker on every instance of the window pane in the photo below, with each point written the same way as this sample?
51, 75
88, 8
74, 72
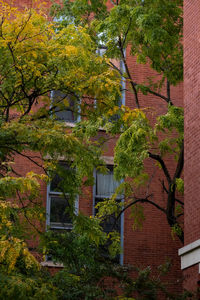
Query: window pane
106, 184
58, 212
101, 51
57, 179
105, 187
54, 186
62, 112
110, 223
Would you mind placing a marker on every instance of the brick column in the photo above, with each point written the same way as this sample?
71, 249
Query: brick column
190, 254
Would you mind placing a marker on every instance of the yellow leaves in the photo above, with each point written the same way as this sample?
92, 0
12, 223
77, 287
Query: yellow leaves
5, 211
6, 9
30, 260
24, 25
130, 115
38, 57
71, 50
11, 249
113, 111
9, 186
66, 102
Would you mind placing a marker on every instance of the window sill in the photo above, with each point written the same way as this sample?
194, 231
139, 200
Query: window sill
73, 124
70, 124
51, 264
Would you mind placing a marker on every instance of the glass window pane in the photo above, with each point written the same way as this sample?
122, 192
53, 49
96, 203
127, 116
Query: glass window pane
58, 212
54, 186
106, 184
61, 111
110, 223
57, 179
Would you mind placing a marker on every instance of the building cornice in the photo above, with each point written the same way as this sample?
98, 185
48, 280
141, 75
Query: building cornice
190, 254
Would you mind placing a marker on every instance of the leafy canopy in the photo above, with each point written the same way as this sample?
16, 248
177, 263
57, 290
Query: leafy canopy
140, 32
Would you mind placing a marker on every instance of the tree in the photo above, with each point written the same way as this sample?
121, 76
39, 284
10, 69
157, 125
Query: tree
36, 58
151, 31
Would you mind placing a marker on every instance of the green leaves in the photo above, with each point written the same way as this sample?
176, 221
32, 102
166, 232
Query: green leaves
153, 29
132, 148
90, 226
172, 120
180, 185
20, 287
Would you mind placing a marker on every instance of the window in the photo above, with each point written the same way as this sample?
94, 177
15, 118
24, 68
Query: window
58, 201
65, 108
104, 188
101, 50
118, 65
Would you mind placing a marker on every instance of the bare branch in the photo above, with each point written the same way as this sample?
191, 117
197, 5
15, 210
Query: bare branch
163, 185
164, 168
168, 91
139, 200
148, 89
26, 156
179, 201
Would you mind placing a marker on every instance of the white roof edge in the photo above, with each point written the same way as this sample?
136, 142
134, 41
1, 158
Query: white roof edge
188, 248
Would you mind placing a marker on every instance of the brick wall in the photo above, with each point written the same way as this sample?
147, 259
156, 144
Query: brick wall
191, 278
192, 129
192, 119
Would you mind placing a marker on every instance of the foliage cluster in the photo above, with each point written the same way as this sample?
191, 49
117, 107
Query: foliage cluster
151, 31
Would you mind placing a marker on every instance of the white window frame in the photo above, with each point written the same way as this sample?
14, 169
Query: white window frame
121, 259
67, 226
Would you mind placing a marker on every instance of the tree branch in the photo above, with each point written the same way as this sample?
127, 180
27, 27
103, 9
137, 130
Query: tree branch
126, 33
164, 168
135, 84
128, 72
168, 92
139, 200
180, 164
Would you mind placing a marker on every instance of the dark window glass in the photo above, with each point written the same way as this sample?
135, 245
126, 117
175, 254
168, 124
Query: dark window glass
58, 213
111, 222
62, 112
59, 217
56, 182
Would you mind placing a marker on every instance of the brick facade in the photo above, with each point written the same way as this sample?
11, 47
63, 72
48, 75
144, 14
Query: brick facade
192, 119
192, 132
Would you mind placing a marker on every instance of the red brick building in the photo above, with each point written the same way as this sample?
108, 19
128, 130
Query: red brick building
153, 245
190, 254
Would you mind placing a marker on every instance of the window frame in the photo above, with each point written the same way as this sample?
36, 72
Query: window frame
121, 255
61, 226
